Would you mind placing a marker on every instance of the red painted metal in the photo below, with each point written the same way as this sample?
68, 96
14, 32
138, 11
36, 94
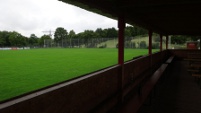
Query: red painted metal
161, 42
192, 45
150, 42
121, 26
167, 42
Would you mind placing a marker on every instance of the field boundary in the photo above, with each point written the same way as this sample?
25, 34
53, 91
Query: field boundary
14, 48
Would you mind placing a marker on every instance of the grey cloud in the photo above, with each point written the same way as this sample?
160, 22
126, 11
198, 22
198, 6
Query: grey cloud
35, 16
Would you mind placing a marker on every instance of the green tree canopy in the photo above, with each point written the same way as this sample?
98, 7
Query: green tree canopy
178, 39
88, 34
33, 40
4, 38
16, 39
101, 33
71, 34
112, 33
43, 38
60, 34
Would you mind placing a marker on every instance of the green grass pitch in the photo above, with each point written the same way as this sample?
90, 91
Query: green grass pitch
23, 71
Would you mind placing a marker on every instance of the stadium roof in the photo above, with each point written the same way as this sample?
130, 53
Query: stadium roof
167, 17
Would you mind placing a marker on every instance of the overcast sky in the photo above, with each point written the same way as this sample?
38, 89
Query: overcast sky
35, 16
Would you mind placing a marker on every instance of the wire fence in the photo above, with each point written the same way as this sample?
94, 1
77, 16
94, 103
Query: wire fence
98, 43
129, 42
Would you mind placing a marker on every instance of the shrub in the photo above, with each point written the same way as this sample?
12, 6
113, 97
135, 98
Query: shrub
143, 45
155, 45
103, 46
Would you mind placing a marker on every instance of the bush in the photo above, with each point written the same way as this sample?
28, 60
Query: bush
155, 45
133, 45
103, 46
129, 44
143, 45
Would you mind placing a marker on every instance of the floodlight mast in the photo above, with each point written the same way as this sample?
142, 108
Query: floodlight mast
50, 33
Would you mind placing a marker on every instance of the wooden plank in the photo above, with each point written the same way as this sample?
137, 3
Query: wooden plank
195, 65
170, 59
196, 75
194, 55
193, 70
192, 59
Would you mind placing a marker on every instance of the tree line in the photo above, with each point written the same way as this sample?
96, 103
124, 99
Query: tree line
182, 39
61, 35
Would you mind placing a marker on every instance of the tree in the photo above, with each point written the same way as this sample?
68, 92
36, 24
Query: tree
112, 33
178, 39
101, 33
16, 39
60, 35
87, 36
129, 31
80, 35
33, 40
71, 34
195, 38
4, 38
42, 40
135, 30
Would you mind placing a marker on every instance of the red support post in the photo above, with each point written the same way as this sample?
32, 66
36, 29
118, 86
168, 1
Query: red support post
167, 42
150, 42
121, 26
161, 42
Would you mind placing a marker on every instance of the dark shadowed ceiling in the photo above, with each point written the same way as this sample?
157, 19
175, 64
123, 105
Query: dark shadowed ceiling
167, 17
